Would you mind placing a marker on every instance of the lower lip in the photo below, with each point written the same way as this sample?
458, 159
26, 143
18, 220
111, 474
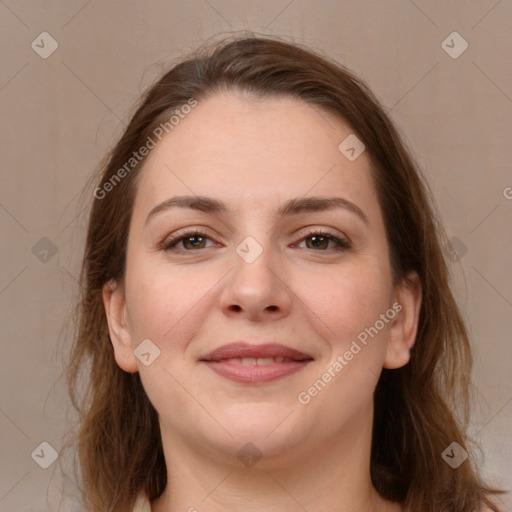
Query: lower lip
255, 374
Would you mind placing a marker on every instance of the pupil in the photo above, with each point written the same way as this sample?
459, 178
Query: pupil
318, 241
189, 241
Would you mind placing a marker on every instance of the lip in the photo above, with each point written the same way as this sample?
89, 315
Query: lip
242, 349
225, 361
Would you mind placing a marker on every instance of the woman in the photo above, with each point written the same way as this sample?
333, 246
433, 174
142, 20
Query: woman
266, 320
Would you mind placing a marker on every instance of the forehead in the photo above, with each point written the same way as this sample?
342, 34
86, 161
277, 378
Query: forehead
242, 148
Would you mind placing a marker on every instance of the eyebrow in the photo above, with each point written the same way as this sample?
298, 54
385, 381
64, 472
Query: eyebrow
291, 207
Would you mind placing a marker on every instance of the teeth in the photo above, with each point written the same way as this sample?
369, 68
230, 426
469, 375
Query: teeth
265, 360
260, 361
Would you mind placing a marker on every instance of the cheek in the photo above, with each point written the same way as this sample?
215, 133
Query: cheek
346, 301
152, 300
164, 303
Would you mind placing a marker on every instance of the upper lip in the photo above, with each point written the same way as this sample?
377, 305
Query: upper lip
243, 350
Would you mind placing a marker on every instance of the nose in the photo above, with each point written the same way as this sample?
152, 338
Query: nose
257, 290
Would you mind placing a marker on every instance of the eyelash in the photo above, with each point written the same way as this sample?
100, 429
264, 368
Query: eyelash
169, 243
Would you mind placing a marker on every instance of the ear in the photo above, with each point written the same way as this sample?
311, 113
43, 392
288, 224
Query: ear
118, 327
404, 327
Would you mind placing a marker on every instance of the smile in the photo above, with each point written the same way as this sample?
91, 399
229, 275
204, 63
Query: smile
252, 364
254, 371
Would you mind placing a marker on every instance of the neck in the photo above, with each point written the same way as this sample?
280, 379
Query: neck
333, 477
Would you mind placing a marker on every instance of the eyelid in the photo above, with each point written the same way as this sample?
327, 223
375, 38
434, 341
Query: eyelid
179, 235
342, 241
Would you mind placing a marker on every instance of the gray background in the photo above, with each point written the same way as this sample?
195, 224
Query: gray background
61, 113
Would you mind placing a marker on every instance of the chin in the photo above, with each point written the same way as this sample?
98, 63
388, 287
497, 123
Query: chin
266, 453
260, 433
261, 420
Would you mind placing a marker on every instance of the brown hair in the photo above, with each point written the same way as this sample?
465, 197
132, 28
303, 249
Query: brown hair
420, 409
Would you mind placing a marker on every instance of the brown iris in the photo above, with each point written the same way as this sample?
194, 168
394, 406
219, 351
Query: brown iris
318, 242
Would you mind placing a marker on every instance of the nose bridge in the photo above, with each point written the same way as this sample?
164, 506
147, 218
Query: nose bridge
256, 286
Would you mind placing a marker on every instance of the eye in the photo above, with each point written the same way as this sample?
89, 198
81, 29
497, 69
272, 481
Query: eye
323, 241
190, 240
194, 240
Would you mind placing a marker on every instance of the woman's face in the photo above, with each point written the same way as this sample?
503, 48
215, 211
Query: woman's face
248, 259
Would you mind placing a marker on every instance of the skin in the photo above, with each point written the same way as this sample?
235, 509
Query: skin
255, 154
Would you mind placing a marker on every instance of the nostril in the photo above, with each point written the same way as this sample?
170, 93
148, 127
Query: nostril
236, 307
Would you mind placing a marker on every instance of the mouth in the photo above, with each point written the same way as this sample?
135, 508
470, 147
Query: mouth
252, 364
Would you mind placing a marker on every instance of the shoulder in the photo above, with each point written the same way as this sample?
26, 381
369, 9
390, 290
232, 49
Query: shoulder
142, 503
485, 508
